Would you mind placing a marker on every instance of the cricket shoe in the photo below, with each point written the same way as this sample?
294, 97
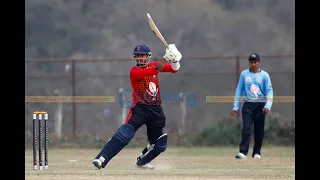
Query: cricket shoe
97, 163
145, 166
257, 156
241, 156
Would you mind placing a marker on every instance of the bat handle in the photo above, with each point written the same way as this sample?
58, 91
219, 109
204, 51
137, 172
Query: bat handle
166, 44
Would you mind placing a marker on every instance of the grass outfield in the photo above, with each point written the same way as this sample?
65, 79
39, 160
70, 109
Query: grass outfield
174, 164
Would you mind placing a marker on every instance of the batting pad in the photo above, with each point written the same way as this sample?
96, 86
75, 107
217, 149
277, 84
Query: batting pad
119, 140
154, 150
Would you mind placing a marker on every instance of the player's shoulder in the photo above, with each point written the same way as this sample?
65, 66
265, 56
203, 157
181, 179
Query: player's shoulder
134, 70
244, 72
265, 73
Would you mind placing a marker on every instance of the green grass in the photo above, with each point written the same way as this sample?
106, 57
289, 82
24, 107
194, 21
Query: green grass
175, 164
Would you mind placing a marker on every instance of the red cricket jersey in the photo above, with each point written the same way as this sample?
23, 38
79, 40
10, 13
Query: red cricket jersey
145, 84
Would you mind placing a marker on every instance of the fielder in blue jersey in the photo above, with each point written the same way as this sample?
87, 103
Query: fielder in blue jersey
255, 84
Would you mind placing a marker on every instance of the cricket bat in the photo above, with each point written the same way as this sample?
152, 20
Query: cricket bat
156, 30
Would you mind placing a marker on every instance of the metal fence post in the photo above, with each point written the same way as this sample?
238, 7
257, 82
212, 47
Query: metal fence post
237, 78
74, 94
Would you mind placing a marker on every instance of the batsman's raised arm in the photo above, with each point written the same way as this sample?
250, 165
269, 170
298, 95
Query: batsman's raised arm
169, 68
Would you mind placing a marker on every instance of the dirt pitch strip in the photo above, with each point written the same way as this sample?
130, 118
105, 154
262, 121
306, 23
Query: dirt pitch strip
175, 164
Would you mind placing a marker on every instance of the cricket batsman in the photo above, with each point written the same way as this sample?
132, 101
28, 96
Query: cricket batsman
256, 86
146, 108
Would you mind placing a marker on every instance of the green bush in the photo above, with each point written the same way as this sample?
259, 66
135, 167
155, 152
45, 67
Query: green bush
223, 133
279, 132
228, 132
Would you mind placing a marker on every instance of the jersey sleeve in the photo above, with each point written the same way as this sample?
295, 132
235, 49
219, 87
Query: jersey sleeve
166, 67
139, 73
269, 91
238, 93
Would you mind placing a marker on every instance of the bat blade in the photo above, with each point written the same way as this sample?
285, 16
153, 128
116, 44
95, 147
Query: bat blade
156, 30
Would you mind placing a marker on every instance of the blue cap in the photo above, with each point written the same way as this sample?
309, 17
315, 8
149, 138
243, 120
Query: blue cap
142, 49
254, 57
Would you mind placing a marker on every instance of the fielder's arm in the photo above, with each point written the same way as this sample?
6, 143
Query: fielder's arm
269, 91
239, 90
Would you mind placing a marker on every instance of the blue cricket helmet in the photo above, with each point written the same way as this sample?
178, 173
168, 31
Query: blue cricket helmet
142, 49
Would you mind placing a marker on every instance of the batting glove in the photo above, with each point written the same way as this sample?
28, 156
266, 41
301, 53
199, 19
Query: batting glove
169, 55
172, 53
176, 52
